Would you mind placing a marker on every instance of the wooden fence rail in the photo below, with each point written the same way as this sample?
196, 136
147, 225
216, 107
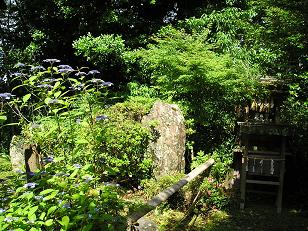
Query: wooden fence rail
164, 195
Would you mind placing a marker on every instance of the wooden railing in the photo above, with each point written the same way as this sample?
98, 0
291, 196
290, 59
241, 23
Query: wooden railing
164, 195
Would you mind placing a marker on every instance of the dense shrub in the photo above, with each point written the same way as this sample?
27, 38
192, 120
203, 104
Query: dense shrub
184, 68
60, 196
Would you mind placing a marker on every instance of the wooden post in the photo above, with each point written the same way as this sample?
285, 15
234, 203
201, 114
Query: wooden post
243, 172
281, 174
164, 195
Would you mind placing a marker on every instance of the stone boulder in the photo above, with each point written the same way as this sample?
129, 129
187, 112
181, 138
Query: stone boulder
24, 156
168, 149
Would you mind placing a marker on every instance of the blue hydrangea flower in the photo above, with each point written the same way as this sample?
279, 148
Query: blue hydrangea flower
34, 125
50, 80
77, 165
19, 171
111, 184
53, 101
65, 70
78, 121
101, 117
10, 219
11, 191
6, 96
20, 65
30, 185
78, 87
66, 206
37, 68
87, 179
48, 160
39, 198
3, 79
93, 72
44, 86
96, 81
51, 61
65, 67
2, 210
30, 173
80, 73
107, 84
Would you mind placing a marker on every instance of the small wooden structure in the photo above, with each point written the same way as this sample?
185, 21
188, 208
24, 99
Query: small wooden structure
263, 157
263, 141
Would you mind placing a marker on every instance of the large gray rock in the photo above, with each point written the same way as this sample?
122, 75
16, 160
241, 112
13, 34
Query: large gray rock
168, 149
17, 153
23, 156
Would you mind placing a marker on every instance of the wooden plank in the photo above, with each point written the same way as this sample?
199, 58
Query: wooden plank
243, 172
164, 195
263, 182
281, 177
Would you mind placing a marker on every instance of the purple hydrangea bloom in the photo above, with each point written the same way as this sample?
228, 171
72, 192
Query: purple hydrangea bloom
53, 101
44, 86
30, 185
30, 173
18, 74
20, 65
111, 184
37, 68
65, 70
10, 219
50, 80
80, 73
107, 84
6, 96
65, 67
39, 198
19, 171
93, 72
3, 79
78, 87
96, 81
101, 117
51, 60
87, 179
66, 206
48, 160
34, 125
11, 191
77, 165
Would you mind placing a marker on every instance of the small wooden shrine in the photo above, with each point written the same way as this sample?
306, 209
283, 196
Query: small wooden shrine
262, 139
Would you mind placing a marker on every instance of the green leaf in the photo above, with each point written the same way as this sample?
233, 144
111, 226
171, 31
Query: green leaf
82, 141
3, 118
51, 196
42, 216
57, 94
65, 221
32, 217
56, 85
46, 191
47, 100
88, 227
51, 210
33, 210
26, 98
49, 222
33, 229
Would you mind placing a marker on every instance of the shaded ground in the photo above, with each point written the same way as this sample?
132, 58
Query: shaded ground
260, 214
